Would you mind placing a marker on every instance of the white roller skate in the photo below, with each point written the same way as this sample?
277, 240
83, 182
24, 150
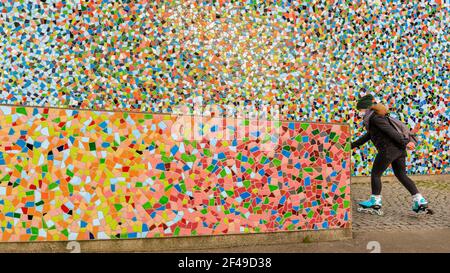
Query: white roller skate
372, 206
420, 205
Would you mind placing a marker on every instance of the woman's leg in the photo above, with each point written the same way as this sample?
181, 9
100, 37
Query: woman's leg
380, 164
399, 167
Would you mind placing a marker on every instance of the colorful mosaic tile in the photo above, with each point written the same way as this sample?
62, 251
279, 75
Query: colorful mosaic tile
310, 57
82, 175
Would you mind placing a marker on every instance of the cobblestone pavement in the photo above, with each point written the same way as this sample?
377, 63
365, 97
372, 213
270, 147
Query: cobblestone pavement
397, 207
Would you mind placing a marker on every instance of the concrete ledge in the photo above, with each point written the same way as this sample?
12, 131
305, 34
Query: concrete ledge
174, 244
392, 178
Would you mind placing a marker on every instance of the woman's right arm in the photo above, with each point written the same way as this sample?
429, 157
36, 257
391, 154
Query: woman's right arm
362, 140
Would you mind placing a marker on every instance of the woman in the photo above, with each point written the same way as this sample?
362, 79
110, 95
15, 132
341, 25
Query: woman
391, 146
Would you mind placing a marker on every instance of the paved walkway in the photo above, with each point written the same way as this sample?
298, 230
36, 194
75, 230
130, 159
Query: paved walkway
397, 208
434, 241
399, 230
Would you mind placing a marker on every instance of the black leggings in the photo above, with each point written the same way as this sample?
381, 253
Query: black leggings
381, 163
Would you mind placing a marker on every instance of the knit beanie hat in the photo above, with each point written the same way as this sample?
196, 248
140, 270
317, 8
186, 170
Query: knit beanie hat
365, 102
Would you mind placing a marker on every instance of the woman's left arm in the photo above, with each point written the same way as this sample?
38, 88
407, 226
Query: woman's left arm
361, 140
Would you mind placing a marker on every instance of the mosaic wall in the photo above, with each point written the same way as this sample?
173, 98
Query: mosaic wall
80, 175
311, 57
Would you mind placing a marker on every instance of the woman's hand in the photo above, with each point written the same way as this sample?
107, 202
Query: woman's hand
411, 146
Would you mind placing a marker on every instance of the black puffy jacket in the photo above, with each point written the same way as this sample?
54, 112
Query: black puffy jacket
384, 136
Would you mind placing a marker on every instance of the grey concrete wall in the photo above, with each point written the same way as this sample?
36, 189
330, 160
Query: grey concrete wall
174, 244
